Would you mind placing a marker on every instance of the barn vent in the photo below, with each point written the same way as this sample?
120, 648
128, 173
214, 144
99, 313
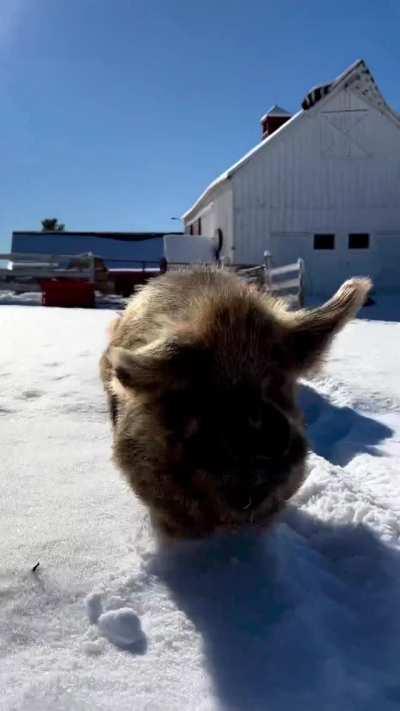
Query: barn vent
273, 119
314, 95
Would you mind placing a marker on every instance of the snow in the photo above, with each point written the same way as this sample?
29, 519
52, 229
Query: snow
304, 617
122, 627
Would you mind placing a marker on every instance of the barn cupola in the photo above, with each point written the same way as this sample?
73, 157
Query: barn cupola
273, 119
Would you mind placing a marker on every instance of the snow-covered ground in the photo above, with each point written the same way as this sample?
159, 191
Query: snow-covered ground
306, 617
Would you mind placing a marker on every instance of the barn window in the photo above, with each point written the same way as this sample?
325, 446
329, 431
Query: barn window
191, 229
359, 240
324, 241
199, 226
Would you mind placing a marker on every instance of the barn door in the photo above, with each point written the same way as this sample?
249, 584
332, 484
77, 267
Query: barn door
287, 247
386, 259
322, 267
360, 258
374, 255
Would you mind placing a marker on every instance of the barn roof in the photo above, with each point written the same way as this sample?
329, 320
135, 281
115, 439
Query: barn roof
120, 236
357, 75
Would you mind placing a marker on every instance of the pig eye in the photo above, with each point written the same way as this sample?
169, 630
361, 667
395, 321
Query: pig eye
191, 427
277, 432
181, 414
255, 420
275, 381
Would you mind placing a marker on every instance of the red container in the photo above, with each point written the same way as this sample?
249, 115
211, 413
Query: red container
67, 292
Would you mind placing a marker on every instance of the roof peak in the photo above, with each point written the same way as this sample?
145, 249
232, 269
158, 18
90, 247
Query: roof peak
275, 110
318, 92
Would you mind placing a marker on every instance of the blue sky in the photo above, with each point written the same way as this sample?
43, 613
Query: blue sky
116, 114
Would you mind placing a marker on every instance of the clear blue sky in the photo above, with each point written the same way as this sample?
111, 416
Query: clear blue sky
116, 114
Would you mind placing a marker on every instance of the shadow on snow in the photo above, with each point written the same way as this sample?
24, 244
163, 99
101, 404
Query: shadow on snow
339, 433
303, 618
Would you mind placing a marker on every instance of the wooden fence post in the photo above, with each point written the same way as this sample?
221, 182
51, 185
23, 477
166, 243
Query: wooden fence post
301, 282
267, 270
92, 268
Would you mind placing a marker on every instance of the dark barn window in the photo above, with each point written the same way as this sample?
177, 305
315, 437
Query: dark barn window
199, 226
191, 229
324, 241
359, 240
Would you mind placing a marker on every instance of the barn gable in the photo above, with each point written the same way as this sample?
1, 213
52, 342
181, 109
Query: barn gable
356, 82
337, 171
323, 186
325, 157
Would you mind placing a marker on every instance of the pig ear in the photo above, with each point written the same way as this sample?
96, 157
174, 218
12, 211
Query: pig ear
134, 370
311, 332
163, 361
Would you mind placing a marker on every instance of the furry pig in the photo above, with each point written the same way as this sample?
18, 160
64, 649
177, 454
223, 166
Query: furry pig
200, 375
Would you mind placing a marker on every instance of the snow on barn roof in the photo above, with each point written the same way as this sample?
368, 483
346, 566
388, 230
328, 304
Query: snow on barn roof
357, 75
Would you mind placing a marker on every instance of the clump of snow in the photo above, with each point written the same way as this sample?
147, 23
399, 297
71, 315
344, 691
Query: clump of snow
303, 617
93, 647
94, 607
121, 626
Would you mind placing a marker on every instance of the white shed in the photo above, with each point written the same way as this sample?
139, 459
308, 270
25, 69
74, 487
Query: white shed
323, 184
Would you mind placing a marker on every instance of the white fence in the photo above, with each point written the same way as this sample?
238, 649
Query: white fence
184, 252
24, 272
286, 281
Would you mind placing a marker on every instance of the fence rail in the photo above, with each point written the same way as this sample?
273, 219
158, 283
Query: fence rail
276, 280
39, 257
132, 265
25, 271
277, 271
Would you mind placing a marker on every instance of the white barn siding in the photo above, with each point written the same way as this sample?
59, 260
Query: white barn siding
224, 220
311, 179
217, 214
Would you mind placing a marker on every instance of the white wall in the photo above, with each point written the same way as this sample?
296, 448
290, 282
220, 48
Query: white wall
217, 214
336, 170
188, 249
327, 269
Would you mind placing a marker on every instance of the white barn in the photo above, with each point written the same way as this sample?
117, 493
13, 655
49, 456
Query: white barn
323, 184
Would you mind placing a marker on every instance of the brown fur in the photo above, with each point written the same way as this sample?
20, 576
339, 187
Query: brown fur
201, 376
